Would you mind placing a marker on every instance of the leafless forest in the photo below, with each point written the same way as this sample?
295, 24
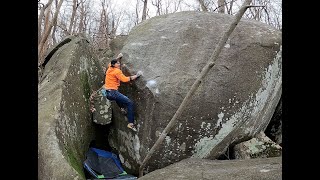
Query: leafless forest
102, 20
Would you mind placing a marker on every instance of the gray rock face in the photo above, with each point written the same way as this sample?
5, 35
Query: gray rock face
234, 101
64, 120
274, 129
261, 146
103, 113
194, 168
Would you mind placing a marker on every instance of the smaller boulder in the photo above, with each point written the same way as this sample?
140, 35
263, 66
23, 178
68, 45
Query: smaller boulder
258, 147
103, 112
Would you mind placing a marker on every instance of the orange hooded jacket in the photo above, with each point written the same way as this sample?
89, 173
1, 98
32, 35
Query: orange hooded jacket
113, 77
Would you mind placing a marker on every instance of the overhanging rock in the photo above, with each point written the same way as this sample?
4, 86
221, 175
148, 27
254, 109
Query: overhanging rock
235, 100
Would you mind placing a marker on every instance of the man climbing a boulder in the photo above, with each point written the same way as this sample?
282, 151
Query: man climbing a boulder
112, 81
114, 76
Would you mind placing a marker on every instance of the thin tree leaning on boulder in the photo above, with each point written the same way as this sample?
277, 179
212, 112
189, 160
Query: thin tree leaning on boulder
110, 89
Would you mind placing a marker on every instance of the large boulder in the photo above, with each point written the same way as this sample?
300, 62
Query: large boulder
64, 120
195, 168
234, 101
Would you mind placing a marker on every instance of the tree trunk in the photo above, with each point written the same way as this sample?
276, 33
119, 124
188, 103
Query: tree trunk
74, 28
196, 84
47, 32
82, 13
102, 38
54, 41
221, 6
177, 5
74, 10
158, 5
203, 6
144, 12
54, 29
46, 26
137, 13
40, 18
229, 10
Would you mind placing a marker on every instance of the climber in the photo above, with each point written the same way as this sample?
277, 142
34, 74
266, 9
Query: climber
112, 81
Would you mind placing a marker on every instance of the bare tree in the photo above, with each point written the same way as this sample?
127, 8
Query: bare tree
137, 12
158, 5
229, 7
61, 26
41, 16
144, 12
176, 5
103, 27
53, 35
269, 14
76, 16
221, 5
203, 5
166, 6
109, 22
115, 20
130, 20
46, 25
209, 5
74, 10
86, 17
82, 14
47, 32
74, 28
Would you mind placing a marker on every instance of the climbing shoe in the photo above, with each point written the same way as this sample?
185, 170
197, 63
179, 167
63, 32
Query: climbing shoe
132, 126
